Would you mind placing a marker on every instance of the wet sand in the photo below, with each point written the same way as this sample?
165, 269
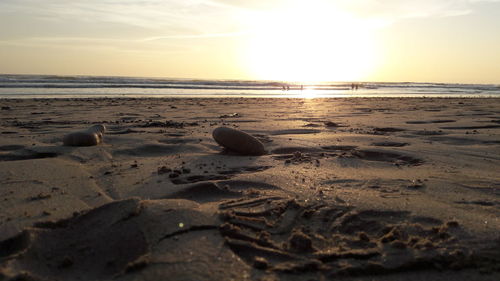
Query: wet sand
350, 189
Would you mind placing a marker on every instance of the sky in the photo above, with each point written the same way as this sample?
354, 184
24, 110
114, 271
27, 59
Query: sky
454, 41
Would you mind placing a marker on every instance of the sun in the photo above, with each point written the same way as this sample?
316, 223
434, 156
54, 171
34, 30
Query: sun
309, 41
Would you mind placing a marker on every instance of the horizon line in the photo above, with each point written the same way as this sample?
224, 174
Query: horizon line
250, 79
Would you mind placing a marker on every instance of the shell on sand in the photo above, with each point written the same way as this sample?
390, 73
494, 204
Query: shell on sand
238, 141
89, 137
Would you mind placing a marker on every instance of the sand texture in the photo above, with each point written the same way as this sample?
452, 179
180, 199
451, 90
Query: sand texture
346, 189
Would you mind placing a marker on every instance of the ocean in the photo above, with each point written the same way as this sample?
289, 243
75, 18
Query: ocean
51, 86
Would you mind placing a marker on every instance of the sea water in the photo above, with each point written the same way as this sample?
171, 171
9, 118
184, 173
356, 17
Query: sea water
51, 86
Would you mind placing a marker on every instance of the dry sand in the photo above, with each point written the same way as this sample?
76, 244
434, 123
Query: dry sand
351, 189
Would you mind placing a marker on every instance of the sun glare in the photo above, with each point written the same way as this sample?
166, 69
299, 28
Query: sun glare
308, 94
310, 41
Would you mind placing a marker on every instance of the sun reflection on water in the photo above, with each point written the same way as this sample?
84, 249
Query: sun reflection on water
308, 93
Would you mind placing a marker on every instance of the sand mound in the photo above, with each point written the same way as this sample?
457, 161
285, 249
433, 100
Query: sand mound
102, 243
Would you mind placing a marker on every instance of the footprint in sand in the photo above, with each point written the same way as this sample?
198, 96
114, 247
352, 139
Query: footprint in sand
288, 236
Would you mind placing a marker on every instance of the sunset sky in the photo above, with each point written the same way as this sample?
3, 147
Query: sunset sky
329, 40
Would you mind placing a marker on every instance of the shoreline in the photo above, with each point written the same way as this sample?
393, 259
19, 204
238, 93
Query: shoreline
163, 98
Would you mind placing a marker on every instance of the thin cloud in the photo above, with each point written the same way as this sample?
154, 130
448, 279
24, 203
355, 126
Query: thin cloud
194, 15
191, 19
389, 9
195, 36
90, 43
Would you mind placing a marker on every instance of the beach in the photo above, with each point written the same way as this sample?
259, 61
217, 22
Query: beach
348, 189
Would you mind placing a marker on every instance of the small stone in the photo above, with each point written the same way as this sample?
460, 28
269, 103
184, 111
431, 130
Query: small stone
300, 242
232, 115
238, 141
91, 136
363, 237
260, 263
297, 155
163, 170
